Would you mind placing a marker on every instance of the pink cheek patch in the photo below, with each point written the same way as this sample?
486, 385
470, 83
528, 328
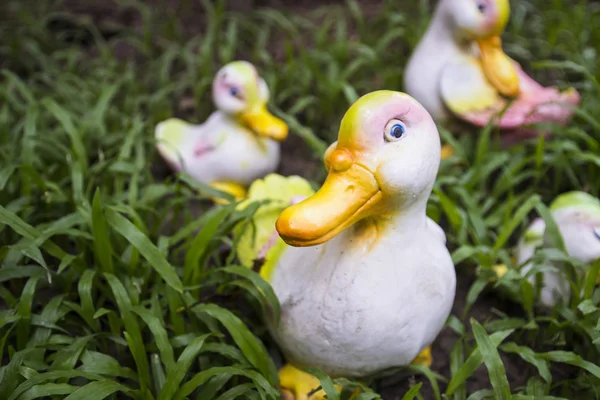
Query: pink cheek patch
375, 121
220, 88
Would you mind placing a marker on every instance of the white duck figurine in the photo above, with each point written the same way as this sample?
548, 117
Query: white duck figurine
577, 215
237, 144
459, 68
368, 282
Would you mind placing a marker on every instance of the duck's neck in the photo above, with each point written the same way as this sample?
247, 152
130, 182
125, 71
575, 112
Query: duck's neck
442, 30
234, 120
231, 118
402, 226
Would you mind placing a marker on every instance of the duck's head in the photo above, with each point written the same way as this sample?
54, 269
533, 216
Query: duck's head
384, 163
240, 92
484, 21
578, 217
477, 19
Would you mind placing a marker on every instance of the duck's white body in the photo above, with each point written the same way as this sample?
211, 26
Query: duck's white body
352, 308
231, 151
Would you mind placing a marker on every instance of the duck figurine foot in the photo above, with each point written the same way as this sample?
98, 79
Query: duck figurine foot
237, 144
459, 68
235, 189
296, 384
424, 358
366, 282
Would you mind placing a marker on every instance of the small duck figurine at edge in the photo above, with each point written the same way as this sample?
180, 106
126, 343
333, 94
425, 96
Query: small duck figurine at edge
459, 66
577, 215
237, 144
367, 282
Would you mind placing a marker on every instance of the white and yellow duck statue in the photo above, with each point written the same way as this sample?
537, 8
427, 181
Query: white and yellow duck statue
237, 144
459, 68
577, 215
366, 282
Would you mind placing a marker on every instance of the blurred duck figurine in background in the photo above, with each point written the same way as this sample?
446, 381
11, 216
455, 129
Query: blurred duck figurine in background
258, 242
577, 215
459, 66
237, 144
365, 281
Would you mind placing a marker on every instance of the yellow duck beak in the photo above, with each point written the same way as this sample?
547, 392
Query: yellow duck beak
498, 67
265, 124
349, 194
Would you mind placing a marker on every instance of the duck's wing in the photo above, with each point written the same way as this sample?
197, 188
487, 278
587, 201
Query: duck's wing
171, 136
467, 93
465, 90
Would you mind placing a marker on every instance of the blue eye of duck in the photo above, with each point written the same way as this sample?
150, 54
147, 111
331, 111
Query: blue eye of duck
394, 130
234, 92
397, 131
597, 232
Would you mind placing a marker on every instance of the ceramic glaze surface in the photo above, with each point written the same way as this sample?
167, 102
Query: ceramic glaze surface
354, 311
238, 143
370, 282
577, 215
459, 68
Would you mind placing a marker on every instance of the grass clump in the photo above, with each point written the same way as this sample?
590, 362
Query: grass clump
118, 281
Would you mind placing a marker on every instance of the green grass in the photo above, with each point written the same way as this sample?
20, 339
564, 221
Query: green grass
118, 284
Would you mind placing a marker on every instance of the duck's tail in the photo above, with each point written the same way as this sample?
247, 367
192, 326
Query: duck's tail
170, 138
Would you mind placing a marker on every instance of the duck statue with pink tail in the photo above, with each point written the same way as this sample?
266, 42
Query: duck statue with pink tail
459, 68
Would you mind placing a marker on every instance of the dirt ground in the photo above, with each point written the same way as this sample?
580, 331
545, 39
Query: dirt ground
297, 159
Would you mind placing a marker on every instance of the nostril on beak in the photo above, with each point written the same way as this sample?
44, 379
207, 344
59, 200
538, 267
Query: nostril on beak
341, 160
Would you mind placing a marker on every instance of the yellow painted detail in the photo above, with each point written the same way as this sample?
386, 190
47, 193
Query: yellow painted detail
299, 384
279, 190
424, 357
345, 198
498, 67
349, 135
235, 189
500, 270
503, 7
480, 95
350, 191
447, 151
265, 124
249, 76
170, 136
266, 271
